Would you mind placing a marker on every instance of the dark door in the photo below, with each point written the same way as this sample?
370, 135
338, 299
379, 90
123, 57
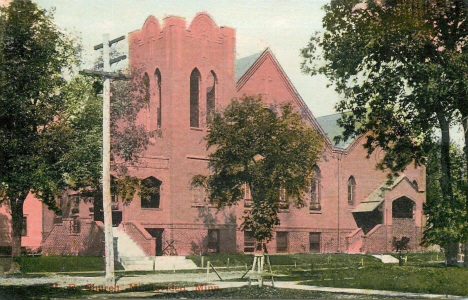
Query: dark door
213, 240
157, 233
314, 242
116, 218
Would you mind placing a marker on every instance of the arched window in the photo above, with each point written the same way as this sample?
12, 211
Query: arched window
210, 94
415, 184
150, 192
315, 190
351, 190
195, 98
146, 85
157, 74
402, 208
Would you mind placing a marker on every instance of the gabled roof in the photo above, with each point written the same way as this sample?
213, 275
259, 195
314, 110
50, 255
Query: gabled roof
243, 64
329, 124
377, 196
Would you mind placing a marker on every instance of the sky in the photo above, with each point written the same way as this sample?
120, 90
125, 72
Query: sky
283, 25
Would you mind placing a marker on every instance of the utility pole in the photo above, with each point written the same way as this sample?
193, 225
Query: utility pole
106, 75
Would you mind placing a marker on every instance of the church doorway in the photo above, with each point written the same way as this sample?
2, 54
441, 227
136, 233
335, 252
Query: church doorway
157, 233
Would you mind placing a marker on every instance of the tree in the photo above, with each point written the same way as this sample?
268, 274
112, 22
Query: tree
33, 55
402, 69
128, 138
269, 149
446, 222
400, 245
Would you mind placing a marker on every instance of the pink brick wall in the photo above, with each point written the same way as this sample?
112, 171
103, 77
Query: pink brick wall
62, 241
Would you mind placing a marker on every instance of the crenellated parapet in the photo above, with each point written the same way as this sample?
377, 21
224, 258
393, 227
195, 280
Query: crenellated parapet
176, 42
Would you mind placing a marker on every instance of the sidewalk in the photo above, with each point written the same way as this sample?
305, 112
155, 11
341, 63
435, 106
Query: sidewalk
293, 285
173, 283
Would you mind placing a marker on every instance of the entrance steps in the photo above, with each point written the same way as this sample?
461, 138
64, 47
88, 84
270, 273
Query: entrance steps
133, 258
173, 263
126, 246
387, 259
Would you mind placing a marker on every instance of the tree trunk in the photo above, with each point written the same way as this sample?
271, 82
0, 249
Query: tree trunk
17, 222
465, 152
451, 250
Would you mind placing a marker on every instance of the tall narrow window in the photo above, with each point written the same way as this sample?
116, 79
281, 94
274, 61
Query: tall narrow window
213, 240
24, 231
146, 85
158, 81
210, 95
283, 199
351, 190
195, 98
314, 242
150, 192
281, 241
247, 196
315, 190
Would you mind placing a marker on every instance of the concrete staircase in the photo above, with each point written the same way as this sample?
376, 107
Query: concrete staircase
133, 258
129, 253
173, 263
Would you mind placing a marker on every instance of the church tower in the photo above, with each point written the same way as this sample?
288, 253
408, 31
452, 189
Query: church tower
188, 71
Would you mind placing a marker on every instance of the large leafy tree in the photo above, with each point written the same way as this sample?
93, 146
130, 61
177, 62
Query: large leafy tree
445, 221
269, 149
401, 67
33, 55
129, 139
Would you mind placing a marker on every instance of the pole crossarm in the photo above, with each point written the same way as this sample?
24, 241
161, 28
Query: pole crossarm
113, 61
120, 38
110, 75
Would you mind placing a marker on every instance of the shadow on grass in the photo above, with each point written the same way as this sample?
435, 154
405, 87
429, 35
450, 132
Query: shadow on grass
43, 291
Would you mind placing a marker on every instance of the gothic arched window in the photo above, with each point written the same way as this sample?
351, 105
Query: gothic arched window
211, 94
146, 85
351, 190
195, 98
315, 190
150, 192
157, 74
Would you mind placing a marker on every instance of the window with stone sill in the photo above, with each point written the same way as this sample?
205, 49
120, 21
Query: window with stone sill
315, 190
211, 83
75, 225
247, 196
284, 203
24, 231
281, 241
195, 78
157, 74
198, 196
351, 190
150, 192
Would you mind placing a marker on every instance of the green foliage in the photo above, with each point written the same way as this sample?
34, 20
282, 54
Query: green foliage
402, 68
400, 74
446, 222
33, 126
266, 148
400, 245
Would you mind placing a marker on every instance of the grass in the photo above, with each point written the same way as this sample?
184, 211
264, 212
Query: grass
421, 274
39, 292
434, 280
61, 264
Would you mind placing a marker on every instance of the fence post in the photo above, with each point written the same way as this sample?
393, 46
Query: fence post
207, 267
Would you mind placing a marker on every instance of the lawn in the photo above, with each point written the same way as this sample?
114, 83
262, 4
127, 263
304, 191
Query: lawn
39, 292
423, 272
30, 264
434, 279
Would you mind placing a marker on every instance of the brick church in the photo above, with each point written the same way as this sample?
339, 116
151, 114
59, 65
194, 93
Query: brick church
191, 70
